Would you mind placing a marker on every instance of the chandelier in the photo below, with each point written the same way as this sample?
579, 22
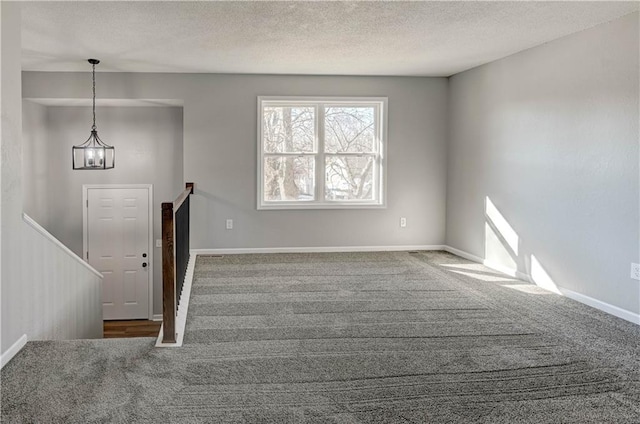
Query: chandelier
93, 153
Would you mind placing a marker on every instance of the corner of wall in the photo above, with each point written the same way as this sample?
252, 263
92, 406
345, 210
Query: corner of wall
10, 353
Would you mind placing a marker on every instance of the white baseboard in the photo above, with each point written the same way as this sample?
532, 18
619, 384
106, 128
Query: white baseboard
603, 306
463, 254
156, 317
508, 271
322, 249
589, 301
181, 316
13, 351
498, 267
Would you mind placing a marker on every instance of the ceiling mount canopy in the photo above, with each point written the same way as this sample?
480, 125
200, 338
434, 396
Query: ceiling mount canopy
93, 153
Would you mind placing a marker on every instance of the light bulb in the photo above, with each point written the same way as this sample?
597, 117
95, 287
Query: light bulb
90, 157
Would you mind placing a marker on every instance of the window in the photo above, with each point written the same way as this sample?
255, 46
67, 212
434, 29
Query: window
321, 153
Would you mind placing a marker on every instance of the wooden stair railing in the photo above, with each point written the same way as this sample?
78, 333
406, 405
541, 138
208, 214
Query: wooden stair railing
175, 257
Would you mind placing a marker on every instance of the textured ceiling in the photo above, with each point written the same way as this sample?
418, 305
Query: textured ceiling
321, 38
108, 102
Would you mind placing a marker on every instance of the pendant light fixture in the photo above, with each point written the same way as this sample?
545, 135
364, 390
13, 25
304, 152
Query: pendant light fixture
93, 153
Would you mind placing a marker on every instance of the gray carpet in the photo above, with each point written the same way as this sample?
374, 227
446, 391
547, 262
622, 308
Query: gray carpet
346, 338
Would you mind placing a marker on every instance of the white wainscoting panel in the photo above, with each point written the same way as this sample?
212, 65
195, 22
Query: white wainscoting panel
65, 291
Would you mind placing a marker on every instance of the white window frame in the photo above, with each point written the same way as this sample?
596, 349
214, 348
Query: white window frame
319, 103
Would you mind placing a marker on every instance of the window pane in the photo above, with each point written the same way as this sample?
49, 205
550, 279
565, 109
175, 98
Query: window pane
289, 178
349, 129
349, 178
288, 129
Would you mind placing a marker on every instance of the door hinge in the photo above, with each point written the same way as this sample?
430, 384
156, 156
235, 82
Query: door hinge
87, 255
87, 203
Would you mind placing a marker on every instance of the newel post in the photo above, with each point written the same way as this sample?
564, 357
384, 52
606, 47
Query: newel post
168, 276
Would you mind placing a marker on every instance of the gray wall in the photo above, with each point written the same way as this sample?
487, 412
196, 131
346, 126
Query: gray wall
550, 136
14, 298
148, 144
36, 148
220, 154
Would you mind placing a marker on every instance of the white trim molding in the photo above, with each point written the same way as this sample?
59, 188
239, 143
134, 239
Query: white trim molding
318, 154
463, 254
13, 351
578, 297
603, 306
183, 308
156, 317
320, 249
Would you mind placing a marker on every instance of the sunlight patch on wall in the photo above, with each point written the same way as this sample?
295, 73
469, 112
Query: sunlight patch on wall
541, 278
495, 251
502, 225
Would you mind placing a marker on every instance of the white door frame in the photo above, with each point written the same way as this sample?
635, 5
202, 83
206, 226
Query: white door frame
85, 240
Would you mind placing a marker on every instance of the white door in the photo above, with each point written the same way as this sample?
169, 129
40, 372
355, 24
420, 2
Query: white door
117, 245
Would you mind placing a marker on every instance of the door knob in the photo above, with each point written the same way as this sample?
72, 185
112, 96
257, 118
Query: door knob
144, 264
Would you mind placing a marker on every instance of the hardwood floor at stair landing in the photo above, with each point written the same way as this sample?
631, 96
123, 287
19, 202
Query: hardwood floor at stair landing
131, 328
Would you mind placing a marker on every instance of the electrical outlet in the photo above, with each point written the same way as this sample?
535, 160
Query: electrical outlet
635, 271
403, 222
229, 224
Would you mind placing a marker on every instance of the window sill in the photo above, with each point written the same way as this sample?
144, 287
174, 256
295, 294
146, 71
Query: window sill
320, 206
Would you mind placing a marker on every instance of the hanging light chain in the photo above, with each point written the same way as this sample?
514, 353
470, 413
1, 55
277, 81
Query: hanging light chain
93, 127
